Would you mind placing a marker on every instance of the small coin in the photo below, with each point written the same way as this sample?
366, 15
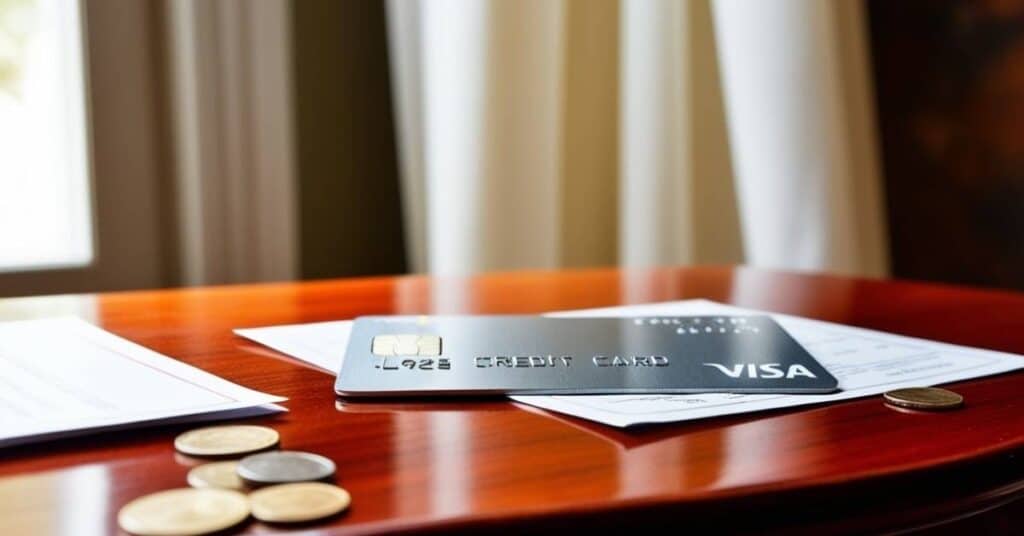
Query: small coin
284, 466
186, 511
226, 440
926, 398
215, 475
297, 502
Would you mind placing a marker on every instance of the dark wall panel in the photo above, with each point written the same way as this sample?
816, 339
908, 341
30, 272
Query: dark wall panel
350, 219
949, 76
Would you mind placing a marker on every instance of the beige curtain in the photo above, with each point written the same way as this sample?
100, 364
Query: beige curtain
548, 133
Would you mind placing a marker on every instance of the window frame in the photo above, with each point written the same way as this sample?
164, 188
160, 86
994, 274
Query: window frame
124, 131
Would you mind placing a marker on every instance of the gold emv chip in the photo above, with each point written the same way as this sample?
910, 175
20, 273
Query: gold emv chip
399, 345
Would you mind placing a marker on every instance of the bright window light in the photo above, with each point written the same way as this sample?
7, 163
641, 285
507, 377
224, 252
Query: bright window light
45, 200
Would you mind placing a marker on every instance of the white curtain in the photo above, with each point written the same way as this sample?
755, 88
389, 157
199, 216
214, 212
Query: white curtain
547, 133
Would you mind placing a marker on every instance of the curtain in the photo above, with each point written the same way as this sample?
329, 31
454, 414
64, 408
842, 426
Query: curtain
550, 133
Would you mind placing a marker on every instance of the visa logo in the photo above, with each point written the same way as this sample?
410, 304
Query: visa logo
765, 370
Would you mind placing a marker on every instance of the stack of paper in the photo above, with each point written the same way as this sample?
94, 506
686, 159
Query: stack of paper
866, 363
61, 377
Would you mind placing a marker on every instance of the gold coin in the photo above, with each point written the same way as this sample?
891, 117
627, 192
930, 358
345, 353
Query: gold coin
297, 502
926, 398
226, 440
186, 511
215, 475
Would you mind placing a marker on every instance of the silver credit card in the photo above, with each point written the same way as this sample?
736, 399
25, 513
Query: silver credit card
393, 356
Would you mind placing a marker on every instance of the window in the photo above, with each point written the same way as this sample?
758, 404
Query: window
45, 198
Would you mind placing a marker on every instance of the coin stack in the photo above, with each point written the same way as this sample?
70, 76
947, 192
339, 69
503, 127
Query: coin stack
286, 486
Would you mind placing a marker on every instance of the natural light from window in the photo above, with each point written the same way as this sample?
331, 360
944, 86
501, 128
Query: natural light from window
45, 202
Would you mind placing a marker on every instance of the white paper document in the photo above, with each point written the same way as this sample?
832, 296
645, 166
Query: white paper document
865, 362
64, 376
321, 344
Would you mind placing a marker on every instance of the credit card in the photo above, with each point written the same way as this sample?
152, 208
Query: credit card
395, 356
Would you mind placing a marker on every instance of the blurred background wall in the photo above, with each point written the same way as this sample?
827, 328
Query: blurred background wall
225, 141
950, 92
350, 210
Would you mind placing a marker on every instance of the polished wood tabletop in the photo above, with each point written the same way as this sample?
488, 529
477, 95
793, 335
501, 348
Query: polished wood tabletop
489, 464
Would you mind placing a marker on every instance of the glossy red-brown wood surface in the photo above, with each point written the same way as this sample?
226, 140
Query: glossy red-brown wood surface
490, 464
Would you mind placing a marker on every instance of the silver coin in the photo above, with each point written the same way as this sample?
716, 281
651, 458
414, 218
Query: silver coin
284, 466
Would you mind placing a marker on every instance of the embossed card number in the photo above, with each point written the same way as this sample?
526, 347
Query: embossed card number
389, 363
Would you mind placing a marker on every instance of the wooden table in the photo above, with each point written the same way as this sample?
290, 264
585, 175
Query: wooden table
854, 466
